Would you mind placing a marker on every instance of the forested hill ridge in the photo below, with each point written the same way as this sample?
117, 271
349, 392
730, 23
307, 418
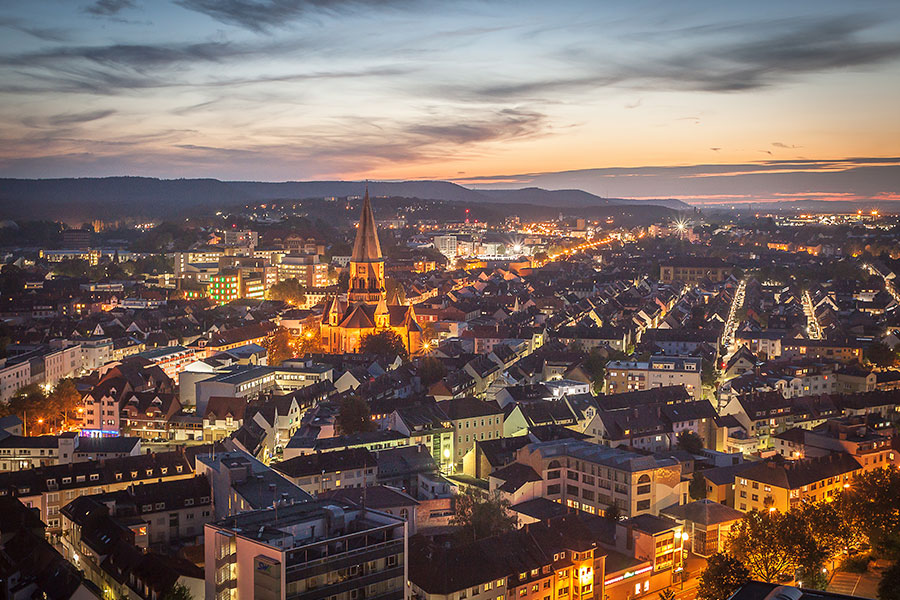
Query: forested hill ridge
121, 197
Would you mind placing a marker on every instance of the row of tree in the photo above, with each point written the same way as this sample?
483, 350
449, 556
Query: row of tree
43, 412
806, 542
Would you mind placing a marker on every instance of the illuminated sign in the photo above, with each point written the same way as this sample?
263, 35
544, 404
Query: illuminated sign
627, 575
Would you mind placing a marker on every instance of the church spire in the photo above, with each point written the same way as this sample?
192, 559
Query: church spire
366, 248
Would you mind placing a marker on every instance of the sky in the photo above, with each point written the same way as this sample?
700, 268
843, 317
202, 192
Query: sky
705, 101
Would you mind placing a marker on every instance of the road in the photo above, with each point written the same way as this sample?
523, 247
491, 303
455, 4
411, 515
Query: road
731, 324
812, 323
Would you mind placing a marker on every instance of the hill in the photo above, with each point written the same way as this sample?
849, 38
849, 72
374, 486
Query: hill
82, 199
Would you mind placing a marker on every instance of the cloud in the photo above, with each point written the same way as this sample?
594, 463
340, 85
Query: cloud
503, 125
262, 15
45, 34
75, 118
727, 58
786, 146
108, 8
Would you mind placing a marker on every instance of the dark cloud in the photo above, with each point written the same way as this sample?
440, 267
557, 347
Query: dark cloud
753, 56
75, 118
504, 125
45, 34
108, 8
261, 15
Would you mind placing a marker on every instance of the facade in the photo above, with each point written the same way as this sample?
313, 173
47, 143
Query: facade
768, 485
48, 489
592, 478
327, 471
366, 311
305, 268
472, 420
307, 550
660, 371
18, 453
694, 270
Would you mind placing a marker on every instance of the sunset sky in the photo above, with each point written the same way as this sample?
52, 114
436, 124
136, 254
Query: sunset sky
757, 100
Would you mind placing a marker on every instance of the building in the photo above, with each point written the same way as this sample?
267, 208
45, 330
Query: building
240, 238
768, 485
592, 478
50, 488
559, 558
706, 523
472, 420
32, 567
660, 371
171, 359
307, 550
305, 268
225, 286
326, 471
241, 483
14, 375
18, 453
366, 311
694, 269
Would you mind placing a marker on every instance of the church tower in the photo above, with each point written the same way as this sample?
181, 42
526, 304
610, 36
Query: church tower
366, 262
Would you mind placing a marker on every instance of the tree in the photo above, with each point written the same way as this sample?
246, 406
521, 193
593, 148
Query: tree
697, 487
595, 366
881, 355
889, 586
707, 373
870, 503
667, 594
771, 544
690, 442
64, 399
723, 575
278, 346
354, 416
431, 370
178, 592
343, 280
310, 341
289, 291
385, 344
479, 515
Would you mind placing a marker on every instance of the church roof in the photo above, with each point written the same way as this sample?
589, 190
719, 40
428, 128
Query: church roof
366, 248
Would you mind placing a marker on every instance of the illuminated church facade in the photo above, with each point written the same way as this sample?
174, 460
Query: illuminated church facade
366, 310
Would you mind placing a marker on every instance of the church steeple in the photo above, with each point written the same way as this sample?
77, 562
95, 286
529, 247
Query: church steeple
366, 248
366, 262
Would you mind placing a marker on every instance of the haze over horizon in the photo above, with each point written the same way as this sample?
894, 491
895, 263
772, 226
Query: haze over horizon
706, 102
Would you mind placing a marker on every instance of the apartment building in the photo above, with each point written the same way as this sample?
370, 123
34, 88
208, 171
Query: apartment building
307, 550
560, 558
242, 483
694, 269
305, 268
768, 485
472, 420
851, 435
327, 471
593, 478
19, 453
157, 513
50, 488
660, 371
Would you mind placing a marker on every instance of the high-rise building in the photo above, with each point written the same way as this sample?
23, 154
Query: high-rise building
307, 550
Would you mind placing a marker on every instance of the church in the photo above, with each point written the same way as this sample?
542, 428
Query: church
366, 310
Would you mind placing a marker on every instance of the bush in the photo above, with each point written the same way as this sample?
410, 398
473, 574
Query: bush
858, 563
